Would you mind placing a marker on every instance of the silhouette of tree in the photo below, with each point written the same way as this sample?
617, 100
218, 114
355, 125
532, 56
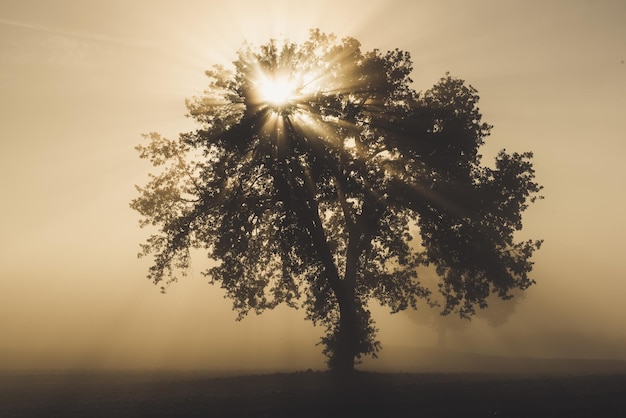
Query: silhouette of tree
314, 167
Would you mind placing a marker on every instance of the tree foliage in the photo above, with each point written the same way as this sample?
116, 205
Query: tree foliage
335, 195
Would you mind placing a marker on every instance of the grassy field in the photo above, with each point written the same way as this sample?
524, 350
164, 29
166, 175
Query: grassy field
309, 394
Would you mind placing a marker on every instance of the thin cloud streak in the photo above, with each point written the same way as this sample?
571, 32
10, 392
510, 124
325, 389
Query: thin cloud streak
97, 37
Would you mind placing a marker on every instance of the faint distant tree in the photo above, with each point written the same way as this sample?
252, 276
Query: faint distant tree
429, 314
313, 168
499, 312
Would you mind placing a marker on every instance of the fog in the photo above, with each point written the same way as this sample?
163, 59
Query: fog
80, 82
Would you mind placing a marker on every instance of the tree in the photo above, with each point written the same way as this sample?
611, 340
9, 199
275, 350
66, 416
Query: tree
314, 167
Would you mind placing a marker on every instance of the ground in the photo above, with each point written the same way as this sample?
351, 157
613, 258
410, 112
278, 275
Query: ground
309, 394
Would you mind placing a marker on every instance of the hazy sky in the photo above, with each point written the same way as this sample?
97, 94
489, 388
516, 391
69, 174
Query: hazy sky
80, 81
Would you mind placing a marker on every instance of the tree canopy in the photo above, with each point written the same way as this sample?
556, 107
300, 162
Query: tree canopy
318, 178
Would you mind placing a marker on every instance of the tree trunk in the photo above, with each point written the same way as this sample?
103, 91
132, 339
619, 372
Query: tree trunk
347, 339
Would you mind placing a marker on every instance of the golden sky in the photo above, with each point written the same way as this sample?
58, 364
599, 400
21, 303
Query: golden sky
80, 81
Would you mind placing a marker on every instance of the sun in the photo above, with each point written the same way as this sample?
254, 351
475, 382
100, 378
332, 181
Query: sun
277, 91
